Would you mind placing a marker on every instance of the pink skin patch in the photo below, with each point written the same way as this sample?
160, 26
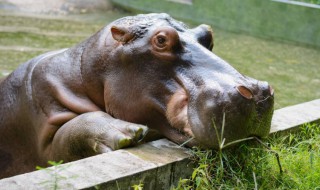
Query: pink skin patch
177, 112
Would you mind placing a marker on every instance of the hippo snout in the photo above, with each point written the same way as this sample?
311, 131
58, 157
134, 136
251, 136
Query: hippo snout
240, 111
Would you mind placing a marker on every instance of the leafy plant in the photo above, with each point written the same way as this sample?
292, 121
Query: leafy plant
138, 187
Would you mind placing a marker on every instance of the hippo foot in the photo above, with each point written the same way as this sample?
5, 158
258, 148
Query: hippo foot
94, 133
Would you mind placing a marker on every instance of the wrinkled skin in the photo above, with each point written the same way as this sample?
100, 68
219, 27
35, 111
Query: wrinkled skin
99, 96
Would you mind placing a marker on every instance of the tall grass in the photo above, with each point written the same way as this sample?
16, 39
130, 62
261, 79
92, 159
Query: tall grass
251, 166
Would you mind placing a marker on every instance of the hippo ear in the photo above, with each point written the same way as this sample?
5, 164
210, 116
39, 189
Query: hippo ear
204, 35
121, 34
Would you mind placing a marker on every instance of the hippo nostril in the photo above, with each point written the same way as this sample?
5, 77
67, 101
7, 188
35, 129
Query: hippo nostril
271, 90
245, 92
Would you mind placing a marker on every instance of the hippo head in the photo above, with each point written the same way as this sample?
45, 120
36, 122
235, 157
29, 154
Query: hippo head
160, 73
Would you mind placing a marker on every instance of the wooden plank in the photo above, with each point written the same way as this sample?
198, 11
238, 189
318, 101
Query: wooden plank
295, 116
158, 164
152, 164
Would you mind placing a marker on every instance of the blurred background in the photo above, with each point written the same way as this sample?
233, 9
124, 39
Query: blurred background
273, 40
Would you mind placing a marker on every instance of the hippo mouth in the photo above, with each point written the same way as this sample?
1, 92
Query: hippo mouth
177, 113
243, 115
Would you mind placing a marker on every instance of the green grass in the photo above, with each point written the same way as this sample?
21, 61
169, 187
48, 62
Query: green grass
292, 70
251, 166
310, 1
72, 24
23, 37
12, 59
37, 40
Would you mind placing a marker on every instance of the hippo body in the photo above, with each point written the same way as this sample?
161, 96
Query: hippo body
98, 96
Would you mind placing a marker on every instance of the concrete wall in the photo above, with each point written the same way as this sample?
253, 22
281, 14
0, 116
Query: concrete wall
279, 19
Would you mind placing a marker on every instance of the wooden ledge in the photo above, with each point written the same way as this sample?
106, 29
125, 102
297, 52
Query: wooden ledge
158, 164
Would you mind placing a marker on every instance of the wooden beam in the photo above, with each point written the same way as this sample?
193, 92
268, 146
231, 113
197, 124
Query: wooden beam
158, 164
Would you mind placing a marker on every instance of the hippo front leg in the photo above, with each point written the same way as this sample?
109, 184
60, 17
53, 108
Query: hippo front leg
94, 133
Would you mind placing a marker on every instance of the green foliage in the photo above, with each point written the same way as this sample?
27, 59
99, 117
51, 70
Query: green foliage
138, 187
51, 163
24, 37
251, 166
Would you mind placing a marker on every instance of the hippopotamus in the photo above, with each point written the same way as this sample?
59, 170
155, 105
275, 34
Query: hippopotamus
137, 74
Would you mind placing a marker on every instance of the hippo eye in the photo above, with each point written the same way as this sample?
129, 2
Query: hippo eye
164, 42
161, 41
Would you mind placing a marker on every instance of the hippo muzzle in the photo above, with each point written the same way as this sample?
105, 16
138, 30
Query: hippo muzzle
215, 96
219, 97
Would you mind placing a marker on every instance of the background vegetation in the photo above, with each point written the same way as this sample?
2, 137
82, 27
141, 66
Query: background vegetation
310, 1
291, 69
263, 18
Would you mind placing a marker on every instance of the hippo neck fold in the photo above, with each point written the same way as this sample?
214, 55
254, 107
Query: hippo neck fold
93, 64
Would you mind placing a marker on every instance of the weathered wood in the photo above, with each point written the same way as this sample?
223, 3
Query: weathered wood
157, 165
154, 164
295, 116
